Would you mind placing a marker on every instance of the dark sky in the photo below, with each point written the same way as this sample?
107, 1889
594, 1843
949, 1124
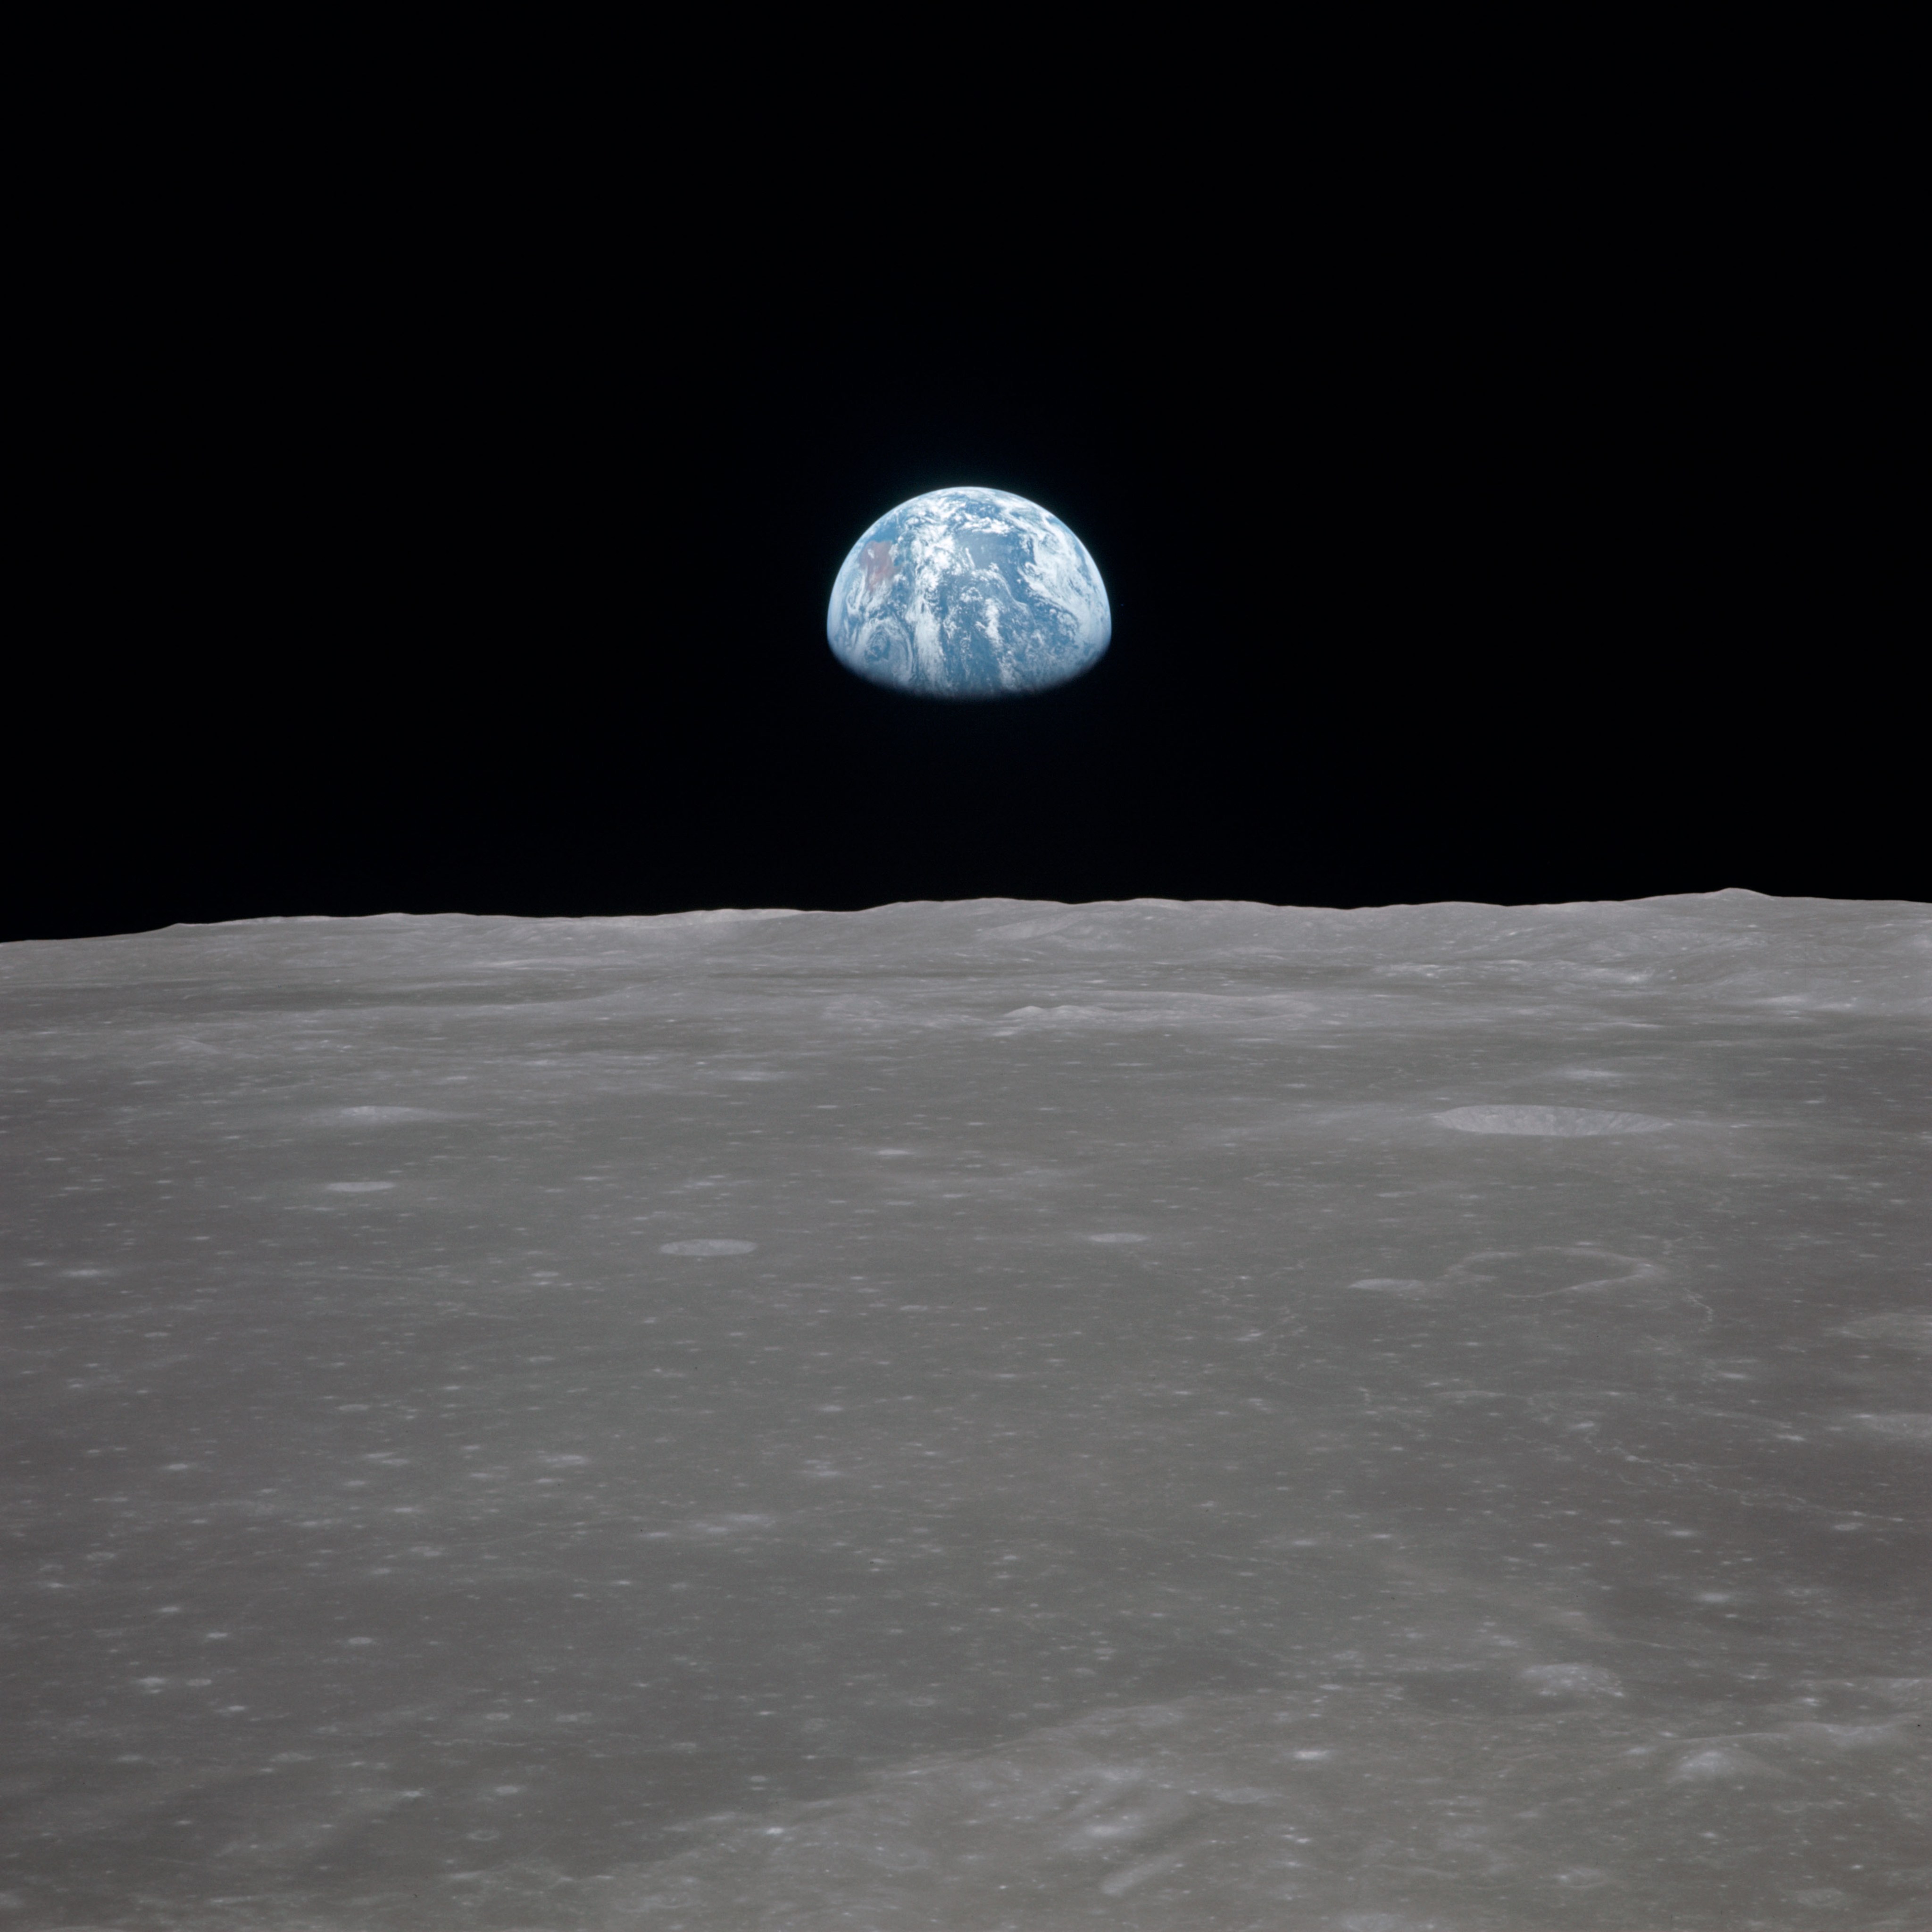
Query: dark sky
1513, 588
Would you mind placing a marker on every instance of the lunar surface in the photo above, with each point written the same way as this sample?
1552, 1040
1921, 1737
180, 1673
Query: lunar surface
987, 1416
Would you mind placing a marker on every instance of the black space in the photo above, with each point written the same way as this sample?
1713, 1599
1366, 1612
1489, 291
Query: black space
433, 585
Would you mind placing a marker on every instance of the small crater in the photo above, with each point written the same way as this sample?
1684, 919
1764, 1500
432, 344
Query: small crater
1560, 1123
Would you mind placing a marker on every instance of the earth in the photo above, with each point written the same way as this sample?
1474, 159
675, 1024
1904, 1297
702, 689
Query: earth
969, 593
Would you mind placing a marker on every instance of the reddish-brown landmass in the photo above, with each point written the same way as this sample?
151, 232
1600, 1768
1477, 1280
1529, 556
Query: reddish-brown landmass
877, 559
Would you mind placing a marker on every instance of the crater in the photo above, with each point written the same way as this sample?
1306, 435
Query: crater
1562, 1122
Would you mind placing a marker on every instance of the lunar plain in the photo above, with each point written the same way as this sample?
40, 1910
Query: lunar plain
983, 1415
